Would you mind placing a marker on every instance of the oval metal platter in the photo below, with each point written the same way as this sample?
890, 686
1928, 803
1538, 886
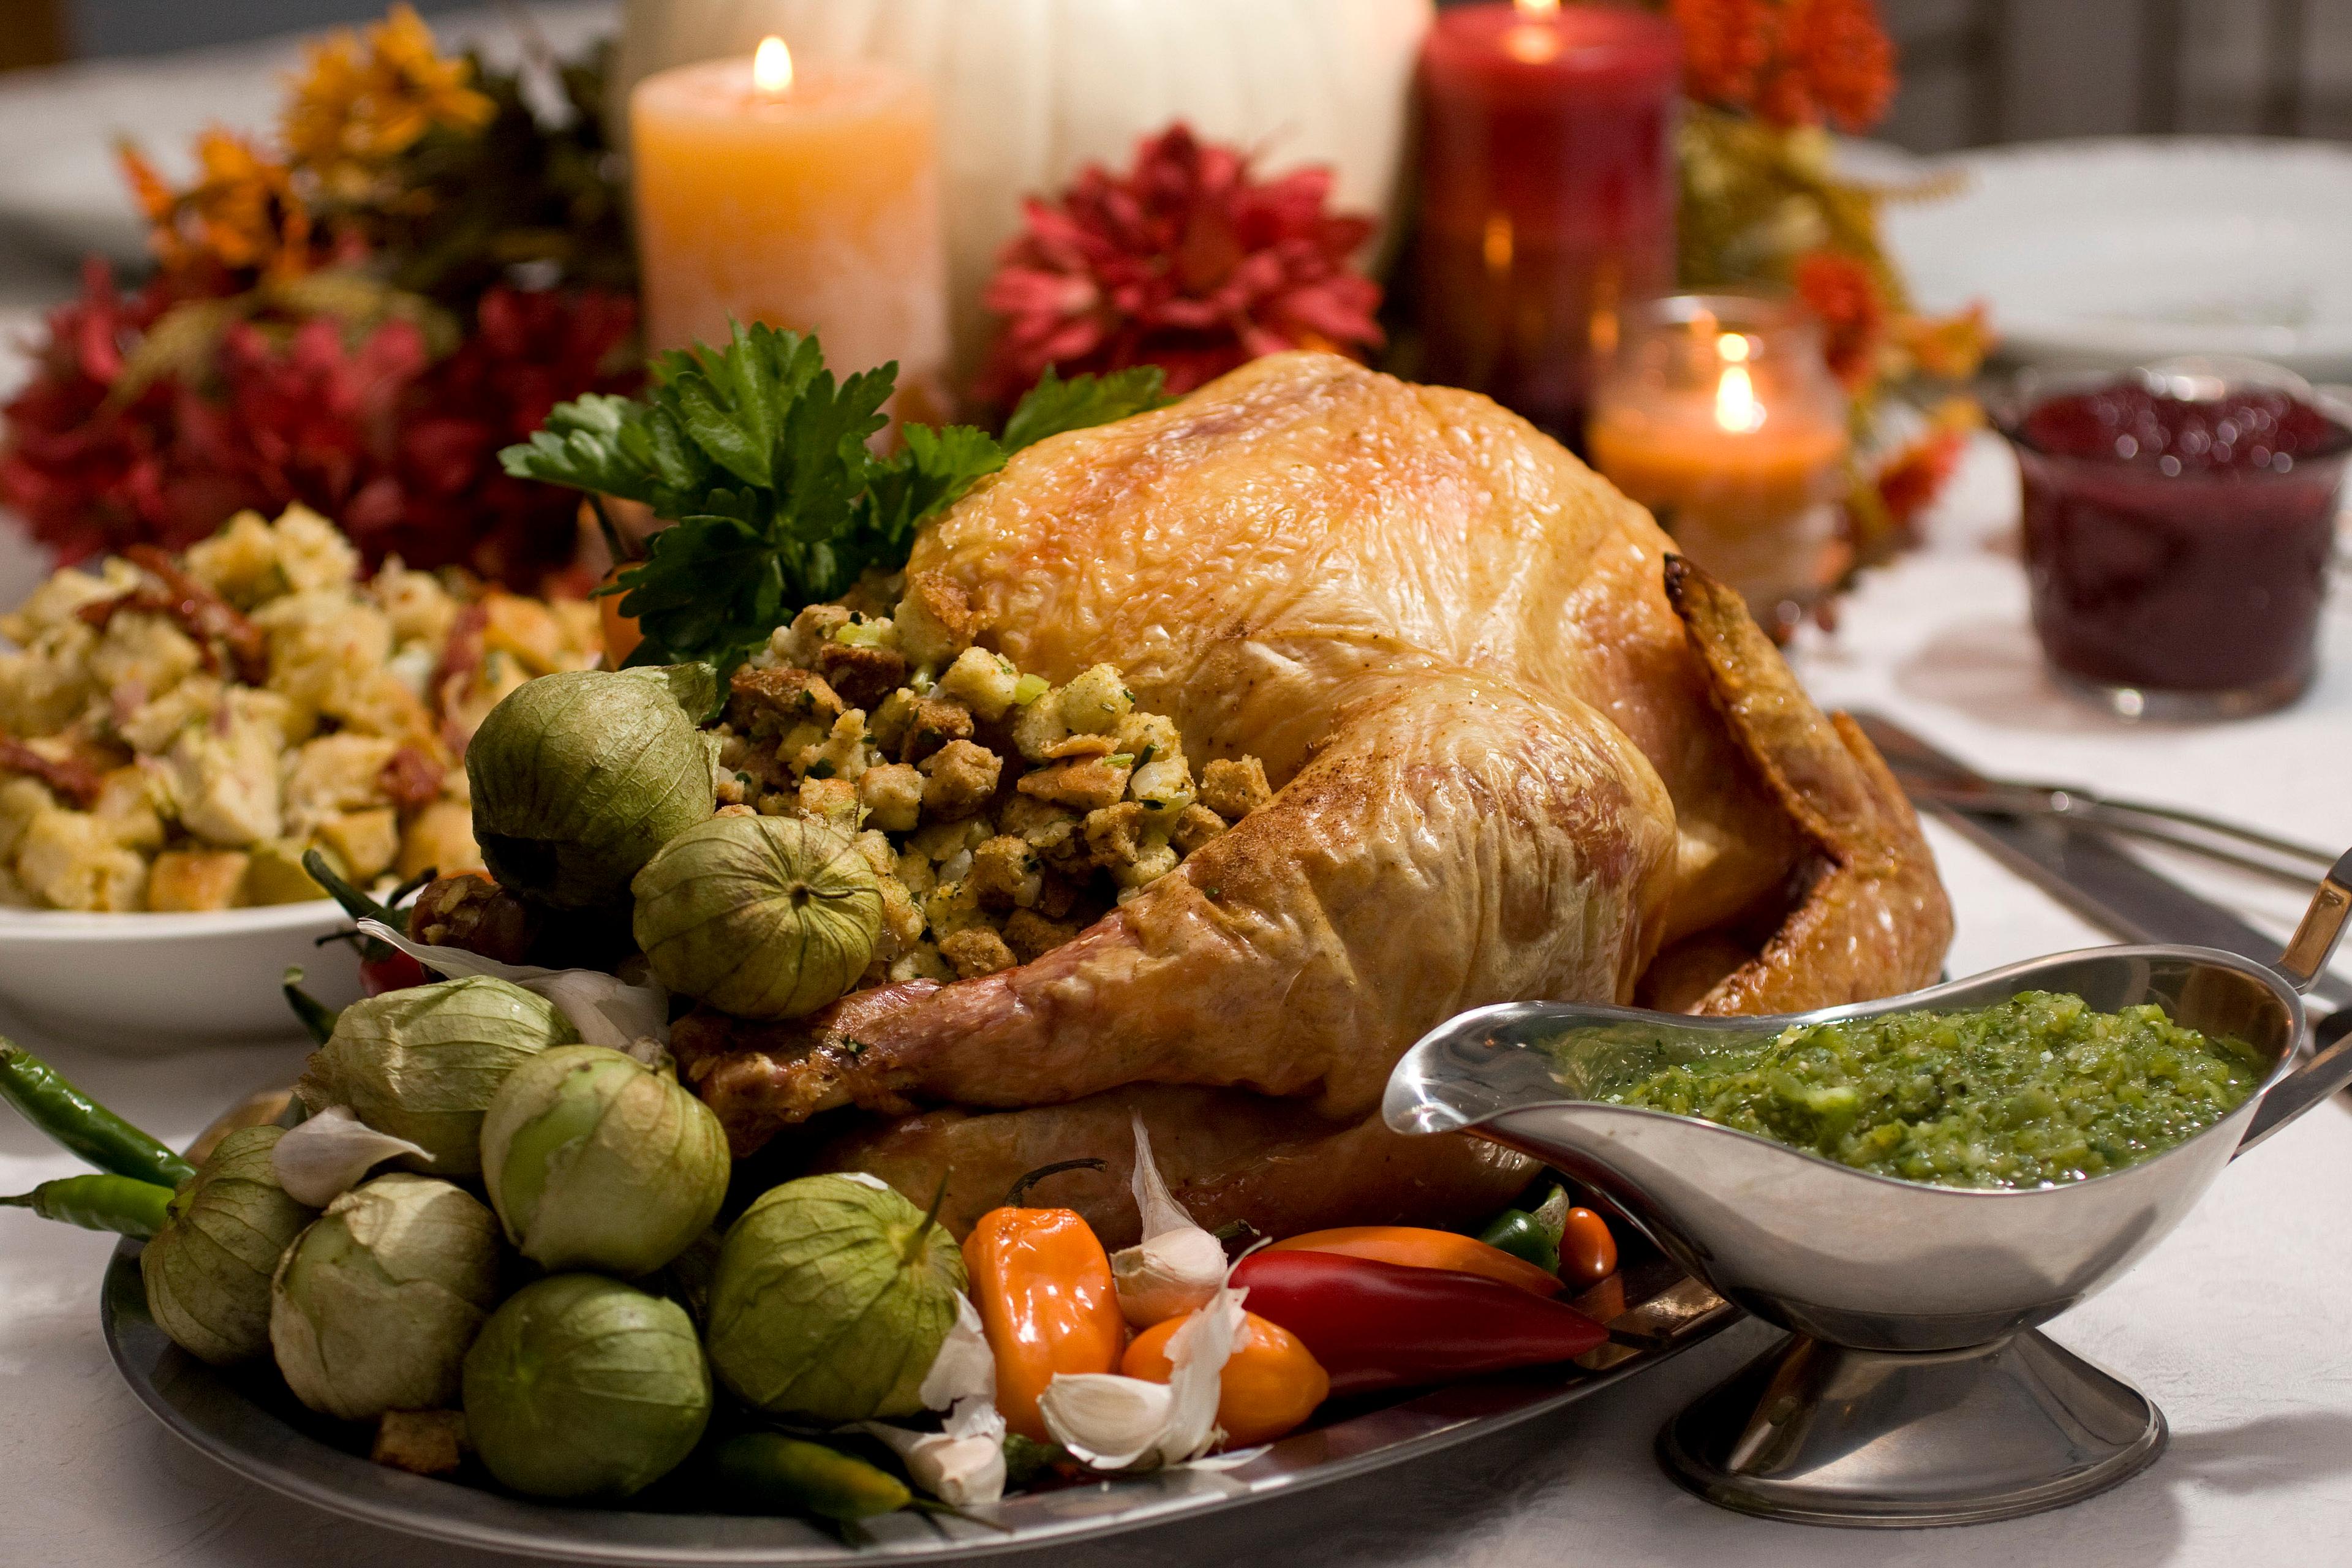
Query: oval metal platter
249, 1422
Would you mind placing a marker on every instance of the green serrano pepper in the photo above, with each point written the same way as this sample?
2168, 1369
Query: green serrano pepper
119, 1204
766, 1472
42, 1096
318, 1019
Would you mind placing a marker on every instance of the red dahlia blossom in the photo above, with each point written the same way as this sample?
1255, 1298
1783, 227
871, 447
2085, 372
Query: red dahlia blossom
1186, 263
365, 427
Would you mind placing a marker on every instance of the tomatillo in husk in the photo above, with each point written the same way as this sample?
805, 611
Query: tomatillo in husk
374, 1307
423, 1064
831, 1300
207, 1271
595, 1160
762, 917
581, 1386
578, 777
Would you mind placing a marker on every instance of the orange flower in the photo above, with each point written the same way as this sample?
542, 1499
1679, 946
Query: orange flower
362, 102
1843, 58
1794, 62
242, 214
1841, 291
1918, 473
1949, 347
1727, 44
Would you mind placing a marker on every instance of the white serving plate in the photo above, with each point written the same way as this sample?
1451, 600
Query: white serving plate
2116, 250
142, 985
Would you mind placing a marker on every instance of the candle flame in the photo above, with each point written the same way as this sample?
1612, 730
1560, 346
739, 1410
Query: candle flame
1538, 9
772, 67
1735, 408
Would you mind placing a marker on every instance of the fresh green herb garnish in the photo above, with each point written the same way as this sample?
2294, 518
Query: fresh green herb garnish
758, 457
1055, 405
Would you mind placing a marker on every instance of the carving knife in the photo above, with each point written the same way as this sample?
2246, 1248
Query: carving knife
2091, 875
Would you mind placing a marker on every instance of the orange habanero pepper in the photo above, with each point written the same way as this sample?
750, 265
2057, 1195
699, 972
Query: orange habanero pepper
1417, 1249
1270, 1383
1042, 1284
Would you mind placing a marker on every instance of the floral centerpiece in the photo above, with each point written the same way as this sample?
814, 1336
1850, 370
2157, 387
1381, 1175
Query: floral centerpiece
354, 315
1763, 203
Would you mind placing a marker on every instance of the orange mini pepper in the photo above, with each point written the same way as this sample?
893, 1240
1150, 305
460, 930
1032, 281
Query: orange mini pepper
1418, 1249
1270, 1384
1042, 1284
621, 632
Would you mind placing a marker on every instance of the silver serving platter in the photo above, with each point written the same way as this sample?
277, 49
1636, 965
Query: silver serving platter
245, 1419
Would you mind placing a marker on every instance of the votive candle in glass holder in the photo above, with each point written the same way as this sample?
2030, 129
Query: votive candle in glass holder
2179, 521
1719, 413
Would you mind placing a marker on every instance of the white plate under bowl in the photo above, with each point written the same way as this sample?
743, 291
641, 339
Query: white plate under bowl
145, 983
2119, 250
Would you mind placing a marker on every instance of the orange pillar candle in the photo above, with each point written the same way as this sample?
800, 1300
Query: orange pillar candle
1721, 416
804, 198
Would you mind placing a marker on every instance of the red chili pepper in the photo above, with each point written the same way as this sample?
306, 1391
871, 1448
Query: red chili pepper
395, 973
1376, 1325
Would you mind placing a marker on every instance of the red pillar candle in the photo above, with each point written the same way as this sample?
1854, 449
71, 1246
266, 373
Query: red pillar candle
1547, 194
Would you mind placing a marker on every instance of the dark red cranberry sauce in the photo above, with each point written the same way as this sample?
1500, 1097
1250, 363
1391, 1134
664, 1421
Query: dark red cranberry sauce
2248, 431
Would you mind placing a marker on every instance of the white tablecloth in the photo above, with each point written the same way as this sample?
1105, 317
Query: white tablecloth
2229, 1324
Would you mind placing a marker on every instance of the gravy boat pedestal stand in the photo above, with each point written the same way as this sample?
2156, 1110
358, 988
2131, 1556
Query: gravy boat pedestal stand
1915, 1387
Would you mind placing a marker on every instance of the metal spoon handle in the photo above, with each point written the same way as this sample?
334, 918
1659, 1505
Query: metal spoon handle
2307, 952
2315, 939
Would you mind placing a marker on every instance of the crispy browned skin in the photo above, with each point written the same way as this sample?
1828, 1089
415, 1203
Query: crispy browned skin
1509, 767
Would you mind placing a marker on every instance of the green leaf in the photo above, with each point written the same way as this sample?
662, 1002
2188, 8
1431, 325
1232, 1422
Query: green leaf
925, 479
710, 588
593, 443
733, 404
1055, 405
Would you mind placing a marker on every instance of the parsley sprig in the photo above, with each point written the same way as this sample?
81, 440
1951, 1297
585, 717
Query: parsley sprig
758, 456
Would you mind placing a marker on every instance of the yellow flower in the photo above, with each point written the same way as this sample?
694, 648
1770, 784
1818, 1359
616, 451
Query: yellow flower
362, 103
242, 213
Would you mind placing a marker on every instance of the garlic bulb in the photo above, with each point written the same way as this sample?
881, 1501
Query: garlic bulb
1177, 1268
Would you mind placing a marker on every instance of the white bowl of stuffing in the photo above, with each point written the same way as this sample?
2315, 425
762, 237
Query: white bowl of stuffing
178, 731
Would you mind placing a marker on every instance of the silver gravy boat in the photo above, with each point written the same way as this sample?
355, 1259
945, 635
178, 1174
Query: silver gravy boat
1914, 1388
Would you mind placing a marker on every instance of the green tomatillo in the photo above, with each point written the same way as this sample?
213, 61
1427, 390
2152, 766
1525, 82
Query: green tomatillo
578, 777
374, 1307
762, 917
423, 1064
581, 1386
207, 1271
595, 1160
832, 1298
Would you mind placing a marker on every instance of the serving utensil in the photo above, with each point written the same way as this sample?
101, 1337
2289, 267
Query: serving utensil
1915, 1387
2086, 872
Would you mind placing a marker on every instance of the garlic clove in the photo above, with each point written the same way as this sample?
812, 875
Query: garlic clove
1105, 1420
965, 1369
328, 1154
1197, 1354
962, 1464
1168, 1275
606, 1009
1178, 1267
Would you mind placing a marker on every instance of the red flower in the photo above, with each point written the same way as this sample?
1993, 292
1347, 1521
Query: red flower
1841, 291
367, 430
446, 500
1187, 263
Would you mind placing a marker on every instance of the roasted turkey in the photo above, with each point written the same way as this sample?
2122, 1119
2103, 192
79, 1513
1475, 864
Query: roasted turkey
1521, 749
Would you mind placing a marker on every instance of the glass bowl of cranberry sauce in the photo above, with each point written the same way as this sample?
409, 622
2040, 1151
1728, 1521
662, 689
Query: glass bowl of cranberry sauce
2179, 521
